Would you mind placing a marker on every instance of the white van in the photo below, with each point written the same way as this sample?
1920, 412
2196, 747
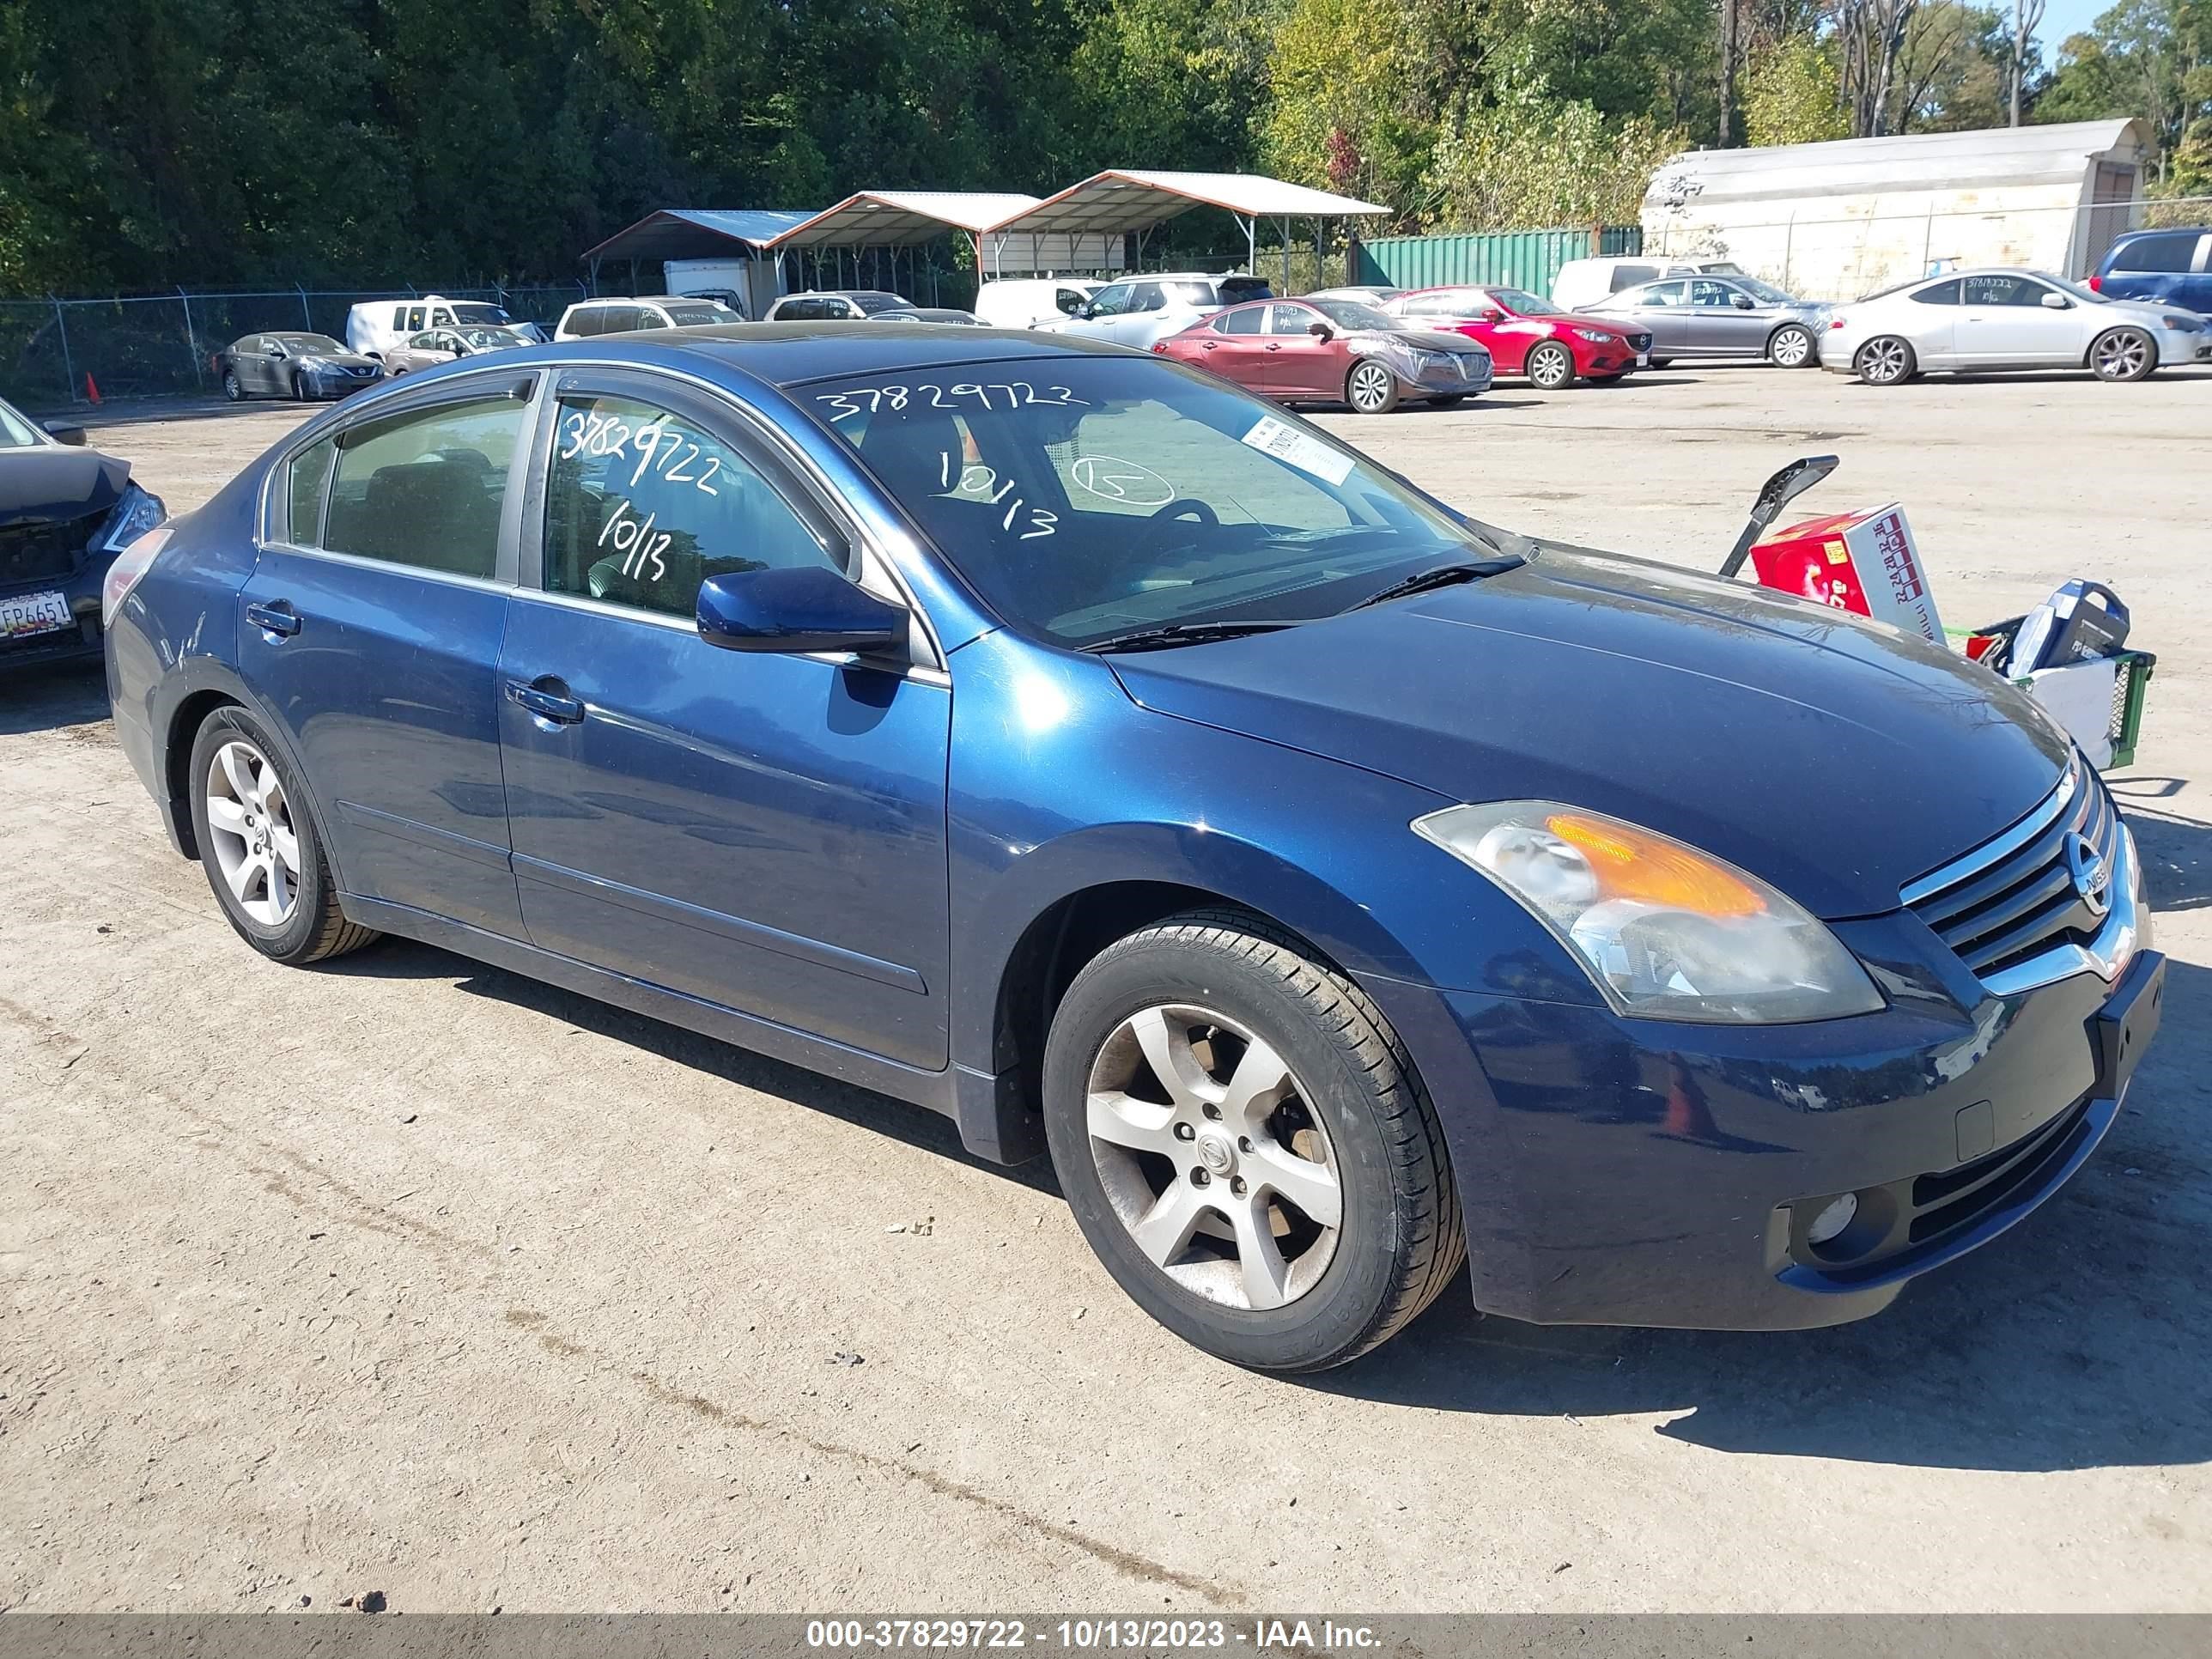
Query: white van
1585, 282
1026, 303
375, 326
610, 316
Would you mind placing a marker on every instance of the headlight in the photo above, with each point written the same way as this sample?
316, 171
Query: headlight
1598, 337
139, 511
1665, 930
2185, 325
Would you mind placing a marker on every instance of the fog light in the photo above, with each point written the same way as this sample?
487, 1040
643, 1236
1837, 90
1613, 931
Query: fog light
1834, 1217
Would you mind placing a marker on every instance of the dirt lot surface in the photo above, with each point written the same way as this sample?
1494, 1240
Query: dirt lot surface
411, 1276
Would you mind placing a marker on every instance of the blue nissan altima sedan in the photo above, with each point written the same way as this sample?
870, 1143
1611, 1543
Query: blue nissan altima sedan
1337, 888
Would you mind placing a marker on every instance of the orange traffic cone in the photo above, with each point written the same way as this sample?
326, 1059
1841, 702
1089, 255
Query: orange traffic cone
91, 387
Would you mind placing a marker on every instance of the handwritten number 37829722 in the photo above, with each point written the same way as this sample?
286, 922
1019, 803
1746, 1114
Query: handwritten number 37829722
668, 455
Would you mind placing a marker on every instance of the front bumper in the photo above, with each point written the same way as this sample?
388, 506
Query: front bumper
1630, 1172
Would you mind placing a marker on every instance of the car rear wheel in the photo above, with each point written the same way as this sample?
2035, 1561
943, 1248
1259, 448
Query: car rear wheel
232, 388
262, 853
1550, 366
1371, 388
2123, 354
1241, 1139
1885, 361
1790, 346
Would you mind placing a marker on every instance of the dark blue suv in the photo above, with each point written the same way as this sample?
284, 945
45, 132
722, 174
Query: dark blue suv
1338, 888
2168, 267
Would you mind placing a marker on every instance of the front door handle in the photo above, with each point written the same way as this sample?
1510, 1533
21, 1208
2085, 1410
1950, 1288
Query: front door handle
547, 705
278, 618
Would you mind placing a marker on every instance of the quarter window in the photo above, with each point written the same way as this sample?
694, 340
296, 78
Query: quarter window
305, 478
2174, 251
1246, 321
1665, 294
644, 504
426, 489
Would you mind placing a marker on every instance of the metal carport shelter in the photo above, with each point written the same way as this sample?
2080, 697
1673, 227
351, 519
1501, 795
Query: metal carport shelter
896, 219
696, 234
1123, 202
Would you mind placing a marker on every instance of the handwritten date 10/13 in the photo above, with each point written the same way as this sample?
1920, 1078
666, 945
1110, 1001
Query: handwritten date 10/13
976, 481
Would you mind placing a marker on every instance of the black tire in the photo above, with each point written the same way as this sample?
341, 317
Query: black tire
316, 929
1886, 361
1370, 388
1792, 346
299, 391
1398, 1241
1549, 366
233, 387
2123, 354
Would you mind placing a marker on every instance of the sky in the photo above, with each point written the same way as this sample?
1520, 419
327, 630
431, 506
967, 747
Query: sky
2064, 17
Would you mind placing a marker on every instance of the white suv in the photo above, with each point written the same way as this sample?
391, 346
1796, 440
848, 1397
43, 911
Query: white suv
589, 316
1140, 310
375, 326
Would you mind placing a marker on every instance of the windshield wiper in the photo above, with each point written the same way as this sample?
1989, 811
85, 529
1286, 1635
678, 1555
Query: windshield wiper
1444, 576
1174, 633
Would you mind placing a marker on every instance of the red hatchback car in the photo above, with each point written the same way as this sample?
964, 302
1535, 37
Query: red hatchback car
1329, 350
1531, 336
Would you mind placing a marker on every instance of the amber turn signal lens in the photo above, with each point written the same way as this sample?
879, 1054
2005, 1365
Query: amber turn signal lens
1631, 866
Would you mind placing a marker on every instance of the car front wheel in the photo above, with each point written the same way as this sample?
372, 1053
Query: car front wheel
1241, 1139
1371, 388
1885, 361
1791, 347
2123, 354
1550, 366
262, 853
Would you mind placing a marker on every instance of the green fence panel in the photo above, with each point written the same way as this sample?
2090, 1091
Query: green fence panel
1510, 258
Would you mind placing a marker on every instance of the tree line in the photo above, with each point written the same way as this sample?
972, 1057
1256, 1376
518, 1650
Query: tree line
145, 143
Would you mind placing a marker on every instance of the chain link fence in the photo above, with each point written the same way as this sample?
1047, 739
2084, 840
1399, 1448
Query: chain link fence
67, 351
1819, 254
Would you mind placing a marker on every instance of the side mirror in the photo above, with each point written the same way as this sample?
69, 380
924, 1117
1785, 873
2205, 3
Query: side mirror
1321, 331
63, 432
795, 611
2056, 301
275, 350
1740, 301
1084, 312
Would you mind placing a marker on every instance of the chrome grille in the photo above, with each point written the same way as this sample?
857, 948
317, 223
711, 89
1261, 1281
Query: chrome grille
1639, 342
2015, 897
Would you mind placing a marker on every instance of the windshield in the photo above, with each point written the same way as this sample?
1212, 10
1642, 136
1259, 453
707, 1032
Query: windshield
17, 431
1764, 293
1086, 498
1349, 313
307, 345
1524, 304
481, 316
2088, 296
699, 311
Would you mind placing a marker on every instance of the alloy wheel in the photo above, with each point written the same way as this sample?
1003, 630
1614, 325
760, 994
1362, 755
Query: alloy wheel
1550, 367
231, 388
1885, 362
1792, 346
1370, 388
1210, 1157
2122, 355
249, 820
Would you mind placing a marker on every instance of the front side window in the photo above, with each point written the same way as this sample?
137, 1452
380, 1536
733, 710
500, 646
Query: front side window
1148, 296
1712, 295
1089, 497
2002, 290
425, 489
1111, 300
642, 505
1291, 319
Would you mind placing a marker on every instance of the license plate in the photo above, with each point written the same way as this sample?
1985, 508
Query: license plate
34, 613
2123, 1029
1643, 360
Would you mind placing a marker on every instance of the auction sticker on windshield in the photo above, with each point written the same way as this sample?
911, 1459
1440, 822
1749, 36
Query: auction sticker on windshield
1301, 450
34, 613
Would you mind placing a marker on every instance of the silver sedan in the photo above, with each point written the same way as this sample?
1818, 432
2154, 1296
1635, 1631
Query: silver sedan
1721, 317
2004, 318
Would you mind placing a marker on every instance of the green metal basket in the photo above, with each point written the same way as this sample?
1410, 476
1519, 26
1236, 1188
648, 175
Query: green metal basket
2131, 682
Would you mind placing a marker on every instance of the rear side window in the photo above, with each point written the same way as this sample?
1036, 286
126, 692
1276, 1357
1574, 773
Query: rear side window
2175, 251
1246, 321
426, 489
1630, 275
649, 317
305, 479
1943, 293
415, 319
643, 505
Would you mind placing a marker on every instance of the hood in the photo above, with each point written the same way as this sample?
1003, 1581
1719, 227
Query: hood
1610, 324
1834, 757
1428, 339
48, 482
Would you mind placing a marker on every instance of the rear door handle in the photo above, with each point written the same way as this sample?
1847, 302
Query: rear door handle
545, 704
278, 618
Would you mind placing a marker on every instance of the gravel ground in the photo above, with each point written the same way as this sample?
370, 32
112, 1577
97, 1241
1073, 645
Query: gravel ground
409, 1276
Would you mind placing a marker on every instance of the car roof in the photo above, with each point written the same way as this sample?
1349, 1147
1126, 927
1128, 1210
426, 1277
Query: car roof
792, 354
